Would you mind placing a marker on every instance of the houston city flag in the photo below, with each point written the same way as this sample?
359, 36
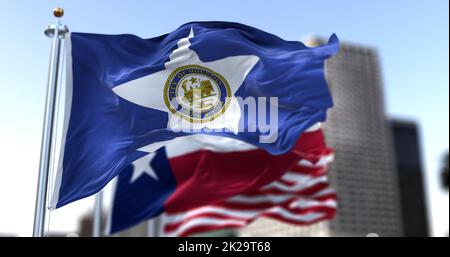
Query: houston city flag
126, 96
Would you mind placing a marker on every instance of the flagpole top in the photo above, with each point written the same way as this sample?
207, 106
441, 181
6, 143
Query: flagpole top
58, 12
57, 26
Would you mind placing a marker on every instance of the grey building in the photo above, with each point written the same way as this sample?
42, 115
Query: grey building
363, 173
410, 178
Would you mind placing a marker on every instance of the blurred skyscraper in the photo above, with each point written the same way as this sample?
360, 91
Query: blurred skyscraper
363, 173
409, 167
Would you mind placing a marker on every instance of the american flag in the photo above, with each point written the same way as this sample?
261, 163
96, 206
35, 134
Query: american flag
302, 196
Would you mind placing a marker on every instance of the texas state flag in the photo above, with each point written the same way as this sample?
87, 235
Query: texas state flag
201, 183
127, 96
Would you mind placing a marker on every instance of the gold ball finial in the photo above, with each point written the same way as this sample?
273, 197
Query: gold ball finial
58, 12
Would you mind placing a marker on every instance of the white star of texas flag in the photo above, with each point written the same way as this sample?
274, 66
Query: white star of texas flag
148, 91
143, 166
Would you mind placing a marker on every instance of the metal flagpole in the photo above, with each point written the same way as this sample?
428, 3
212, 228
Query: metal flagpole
150, 228
153, 226
98, 213
56, 32
157, 225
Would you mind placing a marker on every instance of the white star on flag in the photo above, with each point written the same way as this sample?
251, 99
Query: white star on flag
148, 91
143, 166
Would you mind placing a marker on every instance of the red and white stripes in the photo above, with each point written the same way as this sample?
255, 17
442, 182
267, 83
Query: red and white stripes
301, 196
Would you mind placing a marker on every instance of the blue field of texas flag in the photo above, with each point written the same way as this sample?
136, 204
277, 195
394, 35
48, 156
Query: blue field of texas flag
127, 96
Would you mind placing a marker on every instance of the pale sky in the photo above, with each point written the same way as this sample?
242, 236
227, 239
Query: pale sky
411, 36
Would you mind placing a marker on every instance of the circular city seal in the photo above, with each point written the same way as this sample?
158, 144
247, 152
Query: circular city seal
196, 93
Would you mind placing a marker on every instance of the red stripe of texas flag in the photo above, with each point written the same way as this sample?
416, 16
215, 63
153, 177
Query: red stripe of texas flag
205, 177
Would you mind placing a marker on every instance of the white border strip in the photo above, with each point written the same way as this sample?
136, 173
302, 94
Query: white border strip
109, 215
67, 110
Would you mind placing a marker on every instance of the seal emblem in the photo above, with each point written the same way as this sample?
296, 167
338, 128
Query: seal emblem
196, 93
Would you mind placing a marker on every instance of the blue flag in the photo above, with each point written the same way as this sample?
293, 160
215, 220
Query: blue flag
128, 96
